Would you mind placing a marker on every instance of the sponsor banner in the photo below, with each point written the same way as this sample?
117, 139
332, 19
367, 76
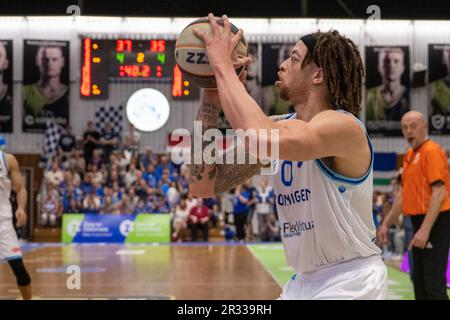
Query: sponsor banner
140, 228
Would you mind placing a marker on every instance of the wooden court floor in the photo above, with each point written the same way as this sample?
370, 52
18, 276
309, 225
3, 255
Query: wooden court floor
113, 271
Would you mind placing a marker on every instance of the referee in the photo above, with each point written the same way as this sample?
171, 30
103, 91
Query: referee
424, 197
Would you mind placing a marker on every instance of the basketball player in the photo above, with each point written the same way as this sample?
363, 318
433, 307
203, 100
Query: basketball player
10, 251
323, 185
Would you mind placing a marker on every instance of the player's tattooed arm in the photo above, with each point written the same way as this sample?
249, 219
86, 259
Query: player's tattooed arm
206, 179
208, 114
231, 175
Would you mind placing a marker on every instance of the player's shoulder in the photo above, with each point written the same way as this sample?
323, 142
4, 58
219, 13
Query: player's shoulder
338, 117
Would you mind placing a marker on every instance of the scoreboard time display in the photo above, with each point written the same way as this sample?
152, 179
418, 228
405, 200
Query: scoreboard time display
106, 61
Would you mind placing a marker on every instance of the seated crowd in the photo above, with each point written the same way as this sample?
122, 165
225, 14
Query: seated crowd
106, 175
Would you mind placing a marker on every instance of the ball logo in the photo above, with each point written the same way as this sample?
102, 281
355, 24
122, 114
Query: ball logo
126, 227
196, 58
73, 228
438, 121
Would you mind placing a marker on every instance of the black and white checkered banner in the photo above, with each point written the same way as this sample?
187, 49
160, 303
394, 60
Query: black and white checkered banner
111, 114
51, 142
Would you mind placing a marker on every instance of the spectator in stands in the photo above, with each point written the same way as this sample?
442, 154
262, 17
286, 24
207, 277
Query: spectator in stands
150, 177
212, 205
228, 207
109, 140
96, 159
264, 203
132, 197
141, 207
173, 195
272, 229
55, 175
160, 205
99, 189
164, 183
77, 163
131, 140
376, 208
191, 201
51, 208
87, 186
67, 180
73, 207
122, 162
96, 174
67, 143
125, 206
148, 158
114, 178
179, 219
116, 193
131, 176
91, 203
183, 180
91, 139
240, 211
142, 189
164, 163
107, 206
71, 199
199, 219
76, 178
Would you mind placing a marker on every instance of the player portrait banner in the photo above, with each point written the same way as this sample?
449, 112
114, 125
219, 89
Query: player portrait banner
387, 89
439, 88
45, 84
6, 86
133, 228
273, 55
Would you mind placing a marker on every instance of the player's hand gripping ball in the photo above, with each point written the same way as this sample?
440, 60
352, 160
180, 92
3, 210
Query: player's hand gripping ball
191, 57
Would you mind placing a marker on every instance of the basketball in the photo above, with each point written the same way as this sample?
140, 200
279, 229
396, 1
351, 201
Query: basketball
190, 53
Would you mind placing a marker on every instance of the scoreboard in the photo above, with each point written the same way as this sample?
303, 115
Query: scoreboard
111, 61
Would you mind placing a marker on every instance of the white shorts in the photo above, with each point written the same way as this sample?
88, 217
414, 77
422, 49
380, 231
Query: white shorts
359, 279
9, 244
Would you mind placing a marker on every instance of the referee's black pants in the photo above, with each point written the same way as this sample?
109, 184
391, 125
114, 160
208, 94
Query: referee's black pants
430, 264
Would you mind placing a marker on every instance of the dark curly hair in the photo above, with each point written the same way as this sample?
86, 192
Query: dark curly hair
342, 67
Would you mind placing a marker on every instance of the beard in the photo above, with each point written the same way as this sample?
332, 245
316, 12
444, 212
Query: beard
284, 93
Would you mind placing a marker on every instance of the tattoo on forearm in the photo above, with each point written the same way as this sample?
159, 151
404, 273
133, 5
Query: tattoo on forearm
231, 175
209, 116
227, 176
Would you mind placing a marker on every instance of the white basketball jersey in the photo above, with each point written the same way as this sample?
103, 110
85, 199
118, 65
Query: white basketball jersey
325, 218
5, 188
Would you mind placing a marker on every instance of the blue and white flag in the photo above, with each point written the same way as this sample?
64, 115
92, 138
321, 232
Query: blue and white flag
384, 170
